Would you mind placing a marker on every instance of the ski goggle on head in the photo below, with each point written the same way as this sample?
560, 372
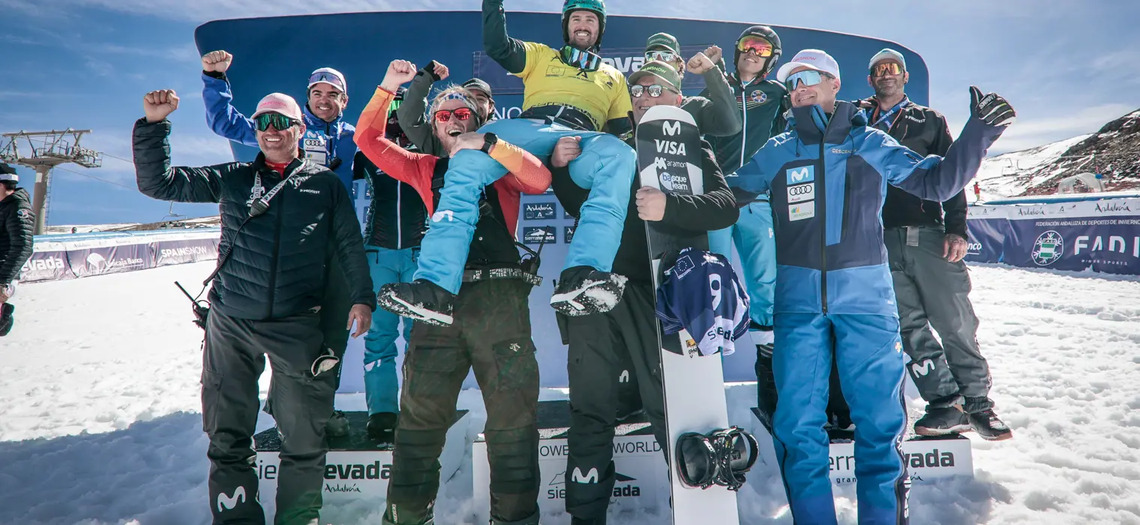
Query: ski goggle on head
755, 45
278, 121
460, 114
654, 91
809, 77
664, 56
886, 67
584, 60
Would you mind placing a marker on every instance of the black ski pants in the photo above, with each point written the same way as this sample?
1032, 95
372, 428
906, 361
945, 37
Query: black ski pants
600, 345
233, 358
490, 334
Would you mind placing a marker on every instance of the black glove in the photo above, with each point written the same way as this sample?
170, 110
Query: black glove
429, 70
991, 108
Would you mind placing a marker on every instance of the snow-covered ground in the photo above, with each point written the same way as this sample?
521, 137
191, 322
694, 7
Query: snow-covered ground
100, 420
999, 176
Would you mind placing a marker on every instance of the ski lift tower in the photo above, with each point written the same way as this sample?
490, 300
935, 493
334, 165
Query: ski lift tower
45, 150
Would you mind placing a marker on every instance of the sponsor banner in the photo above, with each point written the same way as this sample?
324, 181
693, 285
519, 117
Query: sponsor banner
985, 239
925, 459
111, 259
360, 475
46, 266
539, 211
641, 487
185, 251
1101, 235
538, 235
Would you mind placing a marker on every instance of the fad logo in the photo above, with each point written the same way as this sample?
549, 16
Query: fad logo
801, 174
1048, 247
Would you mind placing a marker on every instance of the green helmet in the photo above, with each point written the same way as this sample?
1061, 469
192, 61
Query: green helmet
598, 7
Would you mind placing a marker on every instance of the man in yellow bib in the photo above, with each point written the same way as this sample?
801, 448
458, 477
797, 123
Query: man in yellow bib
568, 92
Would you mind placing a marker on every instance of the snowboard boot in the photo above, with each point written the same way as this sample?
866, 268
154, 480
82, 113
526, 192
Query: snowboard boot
721, 457
419, 300
382, 428
989, 426
337, 426
583, 290
941, 421
6, 319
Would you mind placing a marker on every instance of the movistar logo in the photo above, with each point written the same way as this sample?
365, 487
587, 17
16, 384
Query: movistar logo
923, 368
226, 502
801, 174
589, 477
443, 214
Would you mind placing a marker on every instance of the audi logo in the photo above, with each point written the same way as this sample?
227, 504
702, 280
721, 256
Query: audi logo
802, 189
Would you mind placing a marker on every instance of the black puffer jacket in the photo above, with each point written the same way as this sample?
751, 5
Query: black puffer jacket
16, 225
278, 263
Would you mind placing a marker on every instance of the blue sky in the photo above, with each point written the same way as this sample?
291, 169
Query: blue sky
1068, 66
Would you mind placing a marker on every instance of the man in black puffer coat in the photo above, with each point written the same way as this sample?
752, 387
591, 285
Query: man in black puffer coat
283, 220
16, 225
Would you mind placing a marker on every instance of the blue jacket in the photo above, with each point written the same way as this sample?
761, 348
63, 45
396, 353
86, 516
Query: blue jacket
827, 180
323, 141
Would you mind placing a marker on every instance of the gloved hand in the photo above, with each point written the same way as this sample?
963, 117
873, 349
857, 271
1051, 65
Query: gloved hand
991, 108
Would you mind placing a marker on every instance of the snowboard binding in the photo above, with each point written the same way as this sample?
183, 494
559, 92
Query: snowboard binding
721, 457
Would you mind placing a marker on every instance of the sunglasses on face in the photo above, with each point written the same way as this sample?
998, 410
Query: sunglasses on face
654, 91
278, 121
461, 114
809, 77
886, 68
755, 45
584, 60
664, 56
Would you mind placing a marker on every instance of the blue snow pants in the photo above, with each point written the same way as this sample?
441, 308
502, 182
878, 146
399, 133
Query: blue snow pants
756, 245
870, 361
380, 387
606, 167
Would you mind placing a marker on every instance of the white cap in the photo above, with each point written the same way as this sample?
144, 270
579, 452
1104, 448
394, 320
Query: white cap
8, 173
887, 54
811, 59
330, 76
279, 103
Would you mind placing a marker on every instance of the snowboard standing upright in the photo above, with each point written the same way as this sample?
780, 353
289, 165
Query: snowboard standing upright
669, 159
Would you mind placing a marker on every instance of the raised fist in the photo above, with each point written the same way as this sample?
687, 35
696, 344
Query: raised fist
440, 70
700, 63
714, 53
218, 61
399, 72
158, 104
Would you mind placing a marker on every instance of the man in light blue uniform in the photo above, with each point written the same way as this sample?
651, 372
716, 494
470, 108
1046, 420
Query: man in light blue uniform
834, 298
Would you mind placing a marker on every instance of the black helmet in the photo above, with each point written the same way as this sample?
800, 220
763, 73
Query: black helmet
766, 33
598, 7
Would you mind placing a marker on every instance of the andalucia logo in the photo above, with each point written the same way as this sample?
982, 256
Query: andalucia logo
1048, 248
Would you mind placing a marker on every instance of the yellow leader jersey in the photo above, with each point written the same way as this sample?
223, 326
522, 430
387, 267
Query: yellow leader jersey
603, 94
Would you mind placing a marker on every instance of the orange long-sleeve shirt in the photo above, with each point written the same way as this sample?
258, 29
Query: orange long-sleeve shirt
526, 173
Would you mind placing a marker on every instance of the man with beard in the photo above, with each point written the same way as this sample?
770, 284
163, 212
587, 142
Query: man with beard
566, 92
490, 332
932, 284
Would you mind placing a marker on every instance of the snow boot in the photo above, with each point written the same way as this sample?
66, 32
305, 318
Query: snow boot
721, 457
382, 427
583, 290
419, 300
989, 426
6, 319
942, 421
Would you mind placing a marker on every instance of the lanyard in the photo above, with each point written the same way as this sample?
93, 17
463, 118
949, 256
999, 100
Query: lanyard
261, 203
879, 119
